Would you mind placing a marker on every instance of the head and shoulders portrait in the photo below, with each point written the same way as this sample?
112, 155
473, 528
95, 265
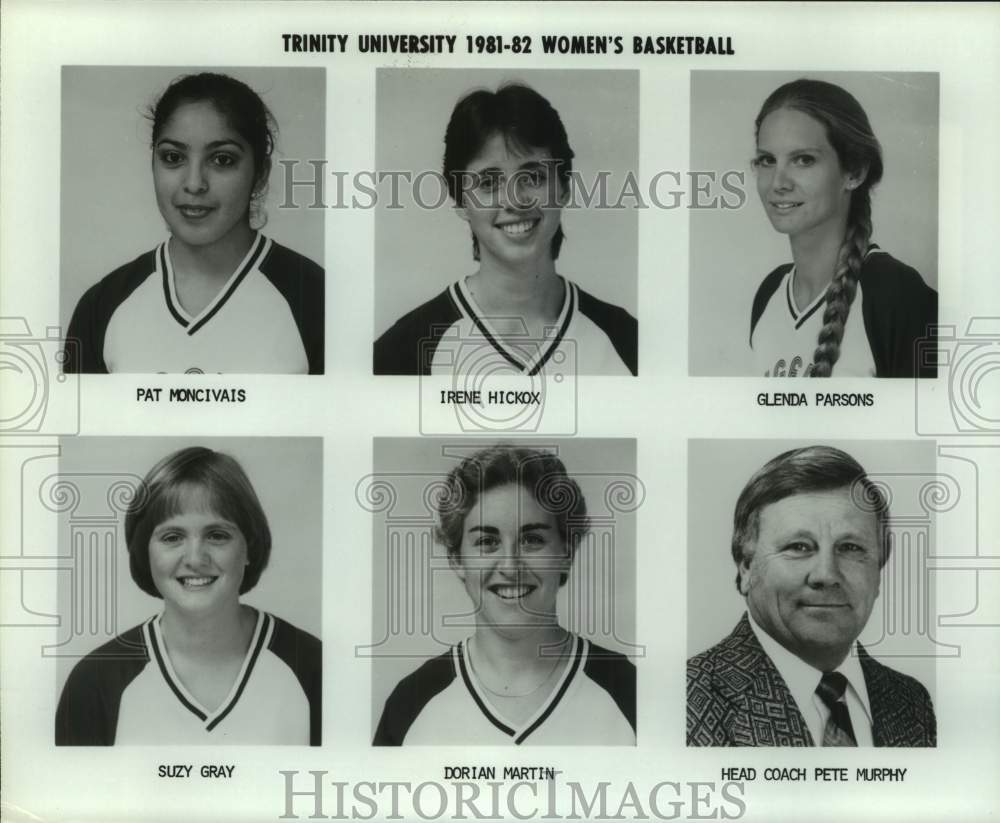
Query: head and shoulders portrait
830, 266
219, 657
509, 577
527, 276
224, 281
811, 543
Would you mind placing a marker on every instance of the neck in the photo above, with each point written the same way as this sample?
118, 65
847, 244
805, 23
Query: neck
816, 255
217, 260
512, 659
502, 291
211, 635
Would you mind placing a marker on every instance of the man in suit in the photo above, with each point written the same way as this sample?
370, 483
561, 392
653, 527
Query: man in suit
810, 537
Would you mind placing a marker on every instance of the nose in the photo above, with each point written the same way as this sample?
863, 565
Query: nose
825, 569
195, 181
781, 181
195, 552
509, 561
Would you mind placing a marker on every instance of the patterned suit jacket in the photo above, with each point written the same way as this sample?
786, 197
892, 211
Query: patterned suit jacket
735, 697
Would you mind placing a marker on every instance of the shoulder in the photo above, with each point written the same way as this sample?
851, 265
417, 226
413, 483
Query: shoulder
616, 674
738, 652
885, 277
125, 652
606, 314
411, 695
87, 714
397, 350
301, 651
617, 323
881, 679
283, 261
113, 288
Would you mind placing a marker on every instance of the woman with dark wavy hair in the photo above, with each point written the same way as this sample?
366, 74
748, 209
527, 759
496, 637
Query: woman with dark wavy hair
511, 521
843, 307
208, 669
217, 296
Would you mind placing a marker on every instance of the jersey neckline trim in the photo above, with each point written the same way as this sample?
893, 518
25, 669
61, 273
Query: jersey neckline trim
258, 248
801, 317
263, 630
463, 666
532, 364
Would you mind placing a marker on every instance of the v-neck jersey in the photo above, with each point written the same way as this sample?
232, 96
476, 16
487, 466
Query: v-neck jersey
442, 703
127, 692
450, 334
266, 318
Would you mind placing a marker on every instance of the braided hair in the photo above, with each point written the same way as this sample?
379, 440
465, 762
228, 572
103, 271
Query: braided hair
858, 151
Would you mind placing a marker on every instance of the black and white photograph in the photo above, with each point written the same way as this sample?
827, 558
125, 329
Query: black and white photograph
175, 257
201, 559
831, 610
828, 262
504, 593
494, 260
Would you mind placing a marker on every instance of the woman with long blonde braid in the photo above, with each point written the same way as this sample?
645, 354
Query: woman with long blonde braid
817, 162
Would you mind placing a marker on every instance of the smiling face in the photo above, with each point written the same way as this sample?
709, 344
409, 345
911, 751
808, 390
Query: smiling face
511, 561
514, 204
799, 178
812, 575
203, 174
197, 560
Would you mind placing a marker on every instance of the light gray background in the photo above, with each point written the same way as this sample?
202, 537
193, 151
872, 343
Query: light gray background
717, 472
733, 250
596, 464
108, 209
418, 252
286, 473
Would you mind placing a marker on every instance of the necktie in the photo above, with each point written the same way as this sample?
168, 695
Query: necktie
838, 731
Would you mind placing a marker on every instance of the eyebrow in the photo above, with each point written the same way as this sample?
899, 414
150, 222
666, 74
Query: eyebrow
525, 528
213, 145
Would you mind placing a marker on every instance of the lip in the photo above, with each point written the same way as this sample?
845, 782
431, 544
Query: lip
785, 206
511, 592
194, 212
191, 582
517, 229
825, 606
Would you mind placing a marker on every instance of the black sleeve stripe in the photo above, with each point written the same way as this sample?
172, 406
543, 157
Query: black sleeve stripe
621, 327
85, 336
899, 309
408, 346
409, 698
87, 714
302, 283
764, 293
614, 673
303, 654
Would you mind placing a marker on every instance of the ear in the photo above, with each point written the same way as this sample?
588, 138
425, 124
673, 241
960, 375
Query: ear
856, 178
462, 212
744, 572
